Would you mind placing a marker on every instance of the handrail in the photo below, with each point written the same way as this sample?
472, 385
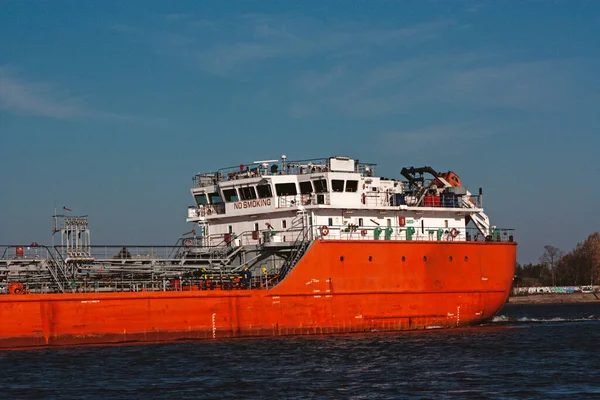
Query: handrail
412, 232
259, 169
155, 272
299, 247
55, 268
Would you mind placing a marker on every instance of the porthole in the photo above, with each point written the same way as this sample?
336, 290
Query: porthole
342, 258
450, 258
425, 258
370, 258
403, 258
466, 258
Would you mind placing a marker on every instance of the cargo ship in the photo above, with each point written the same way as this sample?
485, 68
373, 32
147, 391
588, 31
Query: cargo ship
277, 247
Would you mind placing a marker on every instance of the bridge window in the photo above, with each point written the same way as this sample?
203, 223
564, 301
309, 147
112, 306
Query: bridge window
320, 186
306, 187
247, 193
286, 189
337, 185
201, 199
215, 198
264, 191
351, 186
230, 195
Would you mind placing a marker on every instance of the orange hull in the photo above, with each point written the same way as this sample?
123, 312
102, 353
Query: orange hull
337, 287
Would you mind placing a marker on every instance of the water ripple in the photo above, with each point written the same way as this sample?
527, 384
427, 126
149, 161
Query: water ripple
526, 352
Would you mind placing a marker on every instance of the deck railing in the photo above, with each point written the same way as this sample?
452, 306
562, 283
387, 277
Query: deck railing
414, 233
184, 266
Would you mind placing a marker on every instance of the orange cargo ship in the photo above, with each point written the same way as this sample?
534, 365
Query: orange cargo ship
278, 248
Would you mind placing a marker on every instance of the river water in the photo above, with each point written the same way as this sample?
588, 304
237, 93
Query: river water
526, 351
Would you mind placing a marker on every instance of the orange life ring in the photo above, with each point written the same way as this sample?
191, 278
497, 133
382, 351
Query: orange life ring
324, 230
187, 242
363, 232
454, 232
17, 291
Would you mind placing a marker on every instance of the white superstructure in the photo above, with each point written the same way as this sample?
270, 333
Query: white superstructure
334, 198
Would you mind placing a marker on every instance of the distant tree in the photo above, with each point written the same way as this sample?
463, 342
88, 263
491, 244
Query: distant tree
594, 240
581, 266
532, 275
550, 258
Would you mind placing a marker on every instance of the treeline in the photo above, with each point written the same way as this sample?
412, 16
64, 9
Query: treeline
581, 266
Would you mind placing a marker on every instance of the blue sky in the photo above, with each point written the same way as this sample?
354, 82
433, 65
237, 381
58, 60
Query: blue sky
110, 107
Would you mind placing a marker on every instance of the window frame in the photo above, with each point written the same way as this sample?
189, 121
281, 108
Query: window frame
288, 185
351, 182
247, 193
302, 190
228, 199
335, 186
322, 185
259, 189
214, 195
203, 195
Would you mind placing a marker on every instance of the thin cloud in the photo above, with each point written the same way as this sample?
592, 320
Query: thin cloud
48, 100
459, 82
229, 47
313, 81
450, 138
361, 71
177, 17
275, 39
475, 7
39, 99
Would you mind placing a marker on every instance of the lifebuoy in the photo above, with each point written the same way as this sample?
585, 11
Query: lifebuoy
454, 232
363, 232
17, 291
324, 230
187, 242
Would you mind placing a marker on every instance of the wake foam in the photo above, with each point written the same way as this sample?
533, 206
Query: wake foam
500, 319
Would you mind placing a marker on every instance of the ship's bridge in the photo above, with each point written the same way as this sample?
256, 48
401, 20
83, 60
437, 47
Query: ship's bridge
266, 186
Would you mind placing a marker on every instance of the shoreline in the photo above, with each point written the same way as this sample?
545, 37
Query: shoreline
555, 298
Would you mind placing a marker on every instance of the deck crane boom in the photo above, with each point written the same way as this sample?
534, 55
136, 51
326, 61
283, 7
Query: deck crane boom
447, 180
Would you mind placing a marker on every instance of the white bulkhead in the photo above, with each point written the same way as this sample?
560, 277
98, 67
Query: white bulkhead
340, 198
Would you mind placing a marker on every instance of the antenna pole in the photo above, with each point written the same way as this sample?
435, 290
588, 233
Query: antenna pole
54, 221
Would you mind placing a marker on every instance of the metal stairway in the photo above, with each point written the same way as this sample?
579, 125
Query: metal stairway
57, 270
300, 247
480, 219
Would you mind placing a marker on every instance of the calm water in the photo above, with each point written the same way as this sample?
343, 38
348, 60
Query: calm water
528, 351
